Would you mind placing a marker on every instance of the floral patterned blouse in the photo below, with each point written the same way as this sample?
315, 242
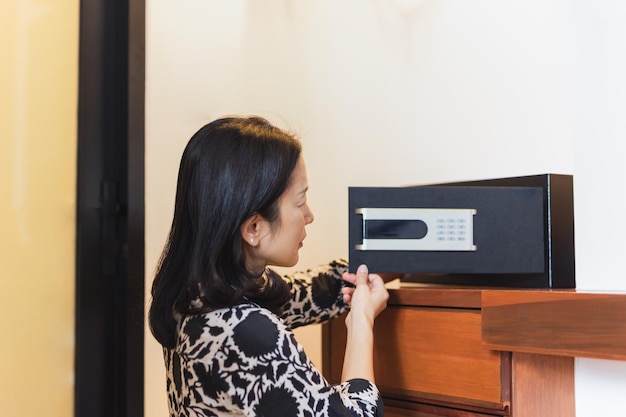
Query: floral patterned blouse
245, 361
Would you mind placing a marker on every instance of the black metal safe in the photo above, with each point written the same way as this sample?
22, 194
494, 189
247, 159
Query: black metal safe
506, 232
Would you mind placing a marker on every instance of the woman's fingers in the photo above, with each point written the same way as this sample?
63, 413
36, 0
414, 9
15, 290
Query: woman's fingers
366, 289
349, 277
347, 294
375, 281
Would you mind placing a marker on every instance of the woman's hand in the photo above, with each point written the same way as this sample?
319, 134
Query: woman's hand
368, 297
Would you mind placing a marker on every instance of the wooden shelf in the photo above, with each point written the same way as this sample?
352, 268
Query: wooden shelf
427, 295
555, 322
484, 352
562, 322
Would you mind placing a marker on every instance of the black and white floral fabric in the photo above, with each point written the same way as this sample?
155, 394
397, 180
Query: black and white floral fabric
245, 361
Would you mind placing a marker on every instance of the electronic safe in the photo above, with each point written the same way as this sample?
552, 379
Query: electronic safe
509, 232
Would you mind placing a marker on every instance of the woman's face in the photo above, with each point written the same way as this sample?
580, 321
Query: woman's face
280, 244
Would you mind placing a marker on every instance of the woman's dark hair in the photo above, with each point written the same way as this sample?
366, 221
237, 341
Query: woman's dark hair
231, 169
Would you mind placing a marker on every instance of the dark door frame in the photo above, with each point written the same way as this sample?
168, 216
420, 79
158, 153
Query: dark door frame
109, 327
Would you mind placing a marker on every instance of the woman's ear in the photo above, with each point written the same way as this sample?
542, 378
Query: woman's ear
251, 230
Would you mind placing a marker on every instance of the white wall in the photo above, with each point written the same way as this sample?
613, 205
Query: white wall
599, 133
384, 92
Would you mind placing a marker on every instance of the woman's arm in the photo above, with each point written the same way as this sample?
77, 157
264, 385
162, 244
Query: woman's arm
316, 294
367, 299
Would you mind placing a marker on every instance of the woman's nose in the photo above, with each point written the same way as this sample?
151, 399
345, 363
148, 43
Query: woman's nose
308, 215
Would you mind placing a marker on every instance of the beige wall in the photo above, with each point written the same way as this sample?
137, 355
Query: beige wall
38, 103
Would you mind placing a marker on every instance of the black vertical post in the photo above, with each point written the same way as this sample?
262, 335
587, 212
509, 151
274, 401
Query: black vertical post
110, 210
136, 207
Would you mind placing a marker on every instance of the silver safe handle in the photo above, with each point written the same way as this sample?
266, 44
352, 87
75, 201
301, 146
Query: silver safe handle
417, 229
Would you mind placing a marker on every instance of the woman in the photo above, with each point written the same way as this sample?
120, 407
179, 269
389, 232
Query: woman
223, 317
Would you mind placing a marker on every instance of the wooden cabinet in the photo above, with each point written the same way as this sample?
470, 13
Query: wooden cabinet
430, 361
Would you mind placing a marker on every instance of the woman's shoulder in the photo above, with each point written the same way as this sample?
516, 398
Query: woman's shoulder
246, 328
239, 320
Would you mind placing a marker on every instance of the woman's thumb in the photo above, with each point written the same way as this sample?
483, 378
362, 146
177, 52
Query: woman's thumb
361, 275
